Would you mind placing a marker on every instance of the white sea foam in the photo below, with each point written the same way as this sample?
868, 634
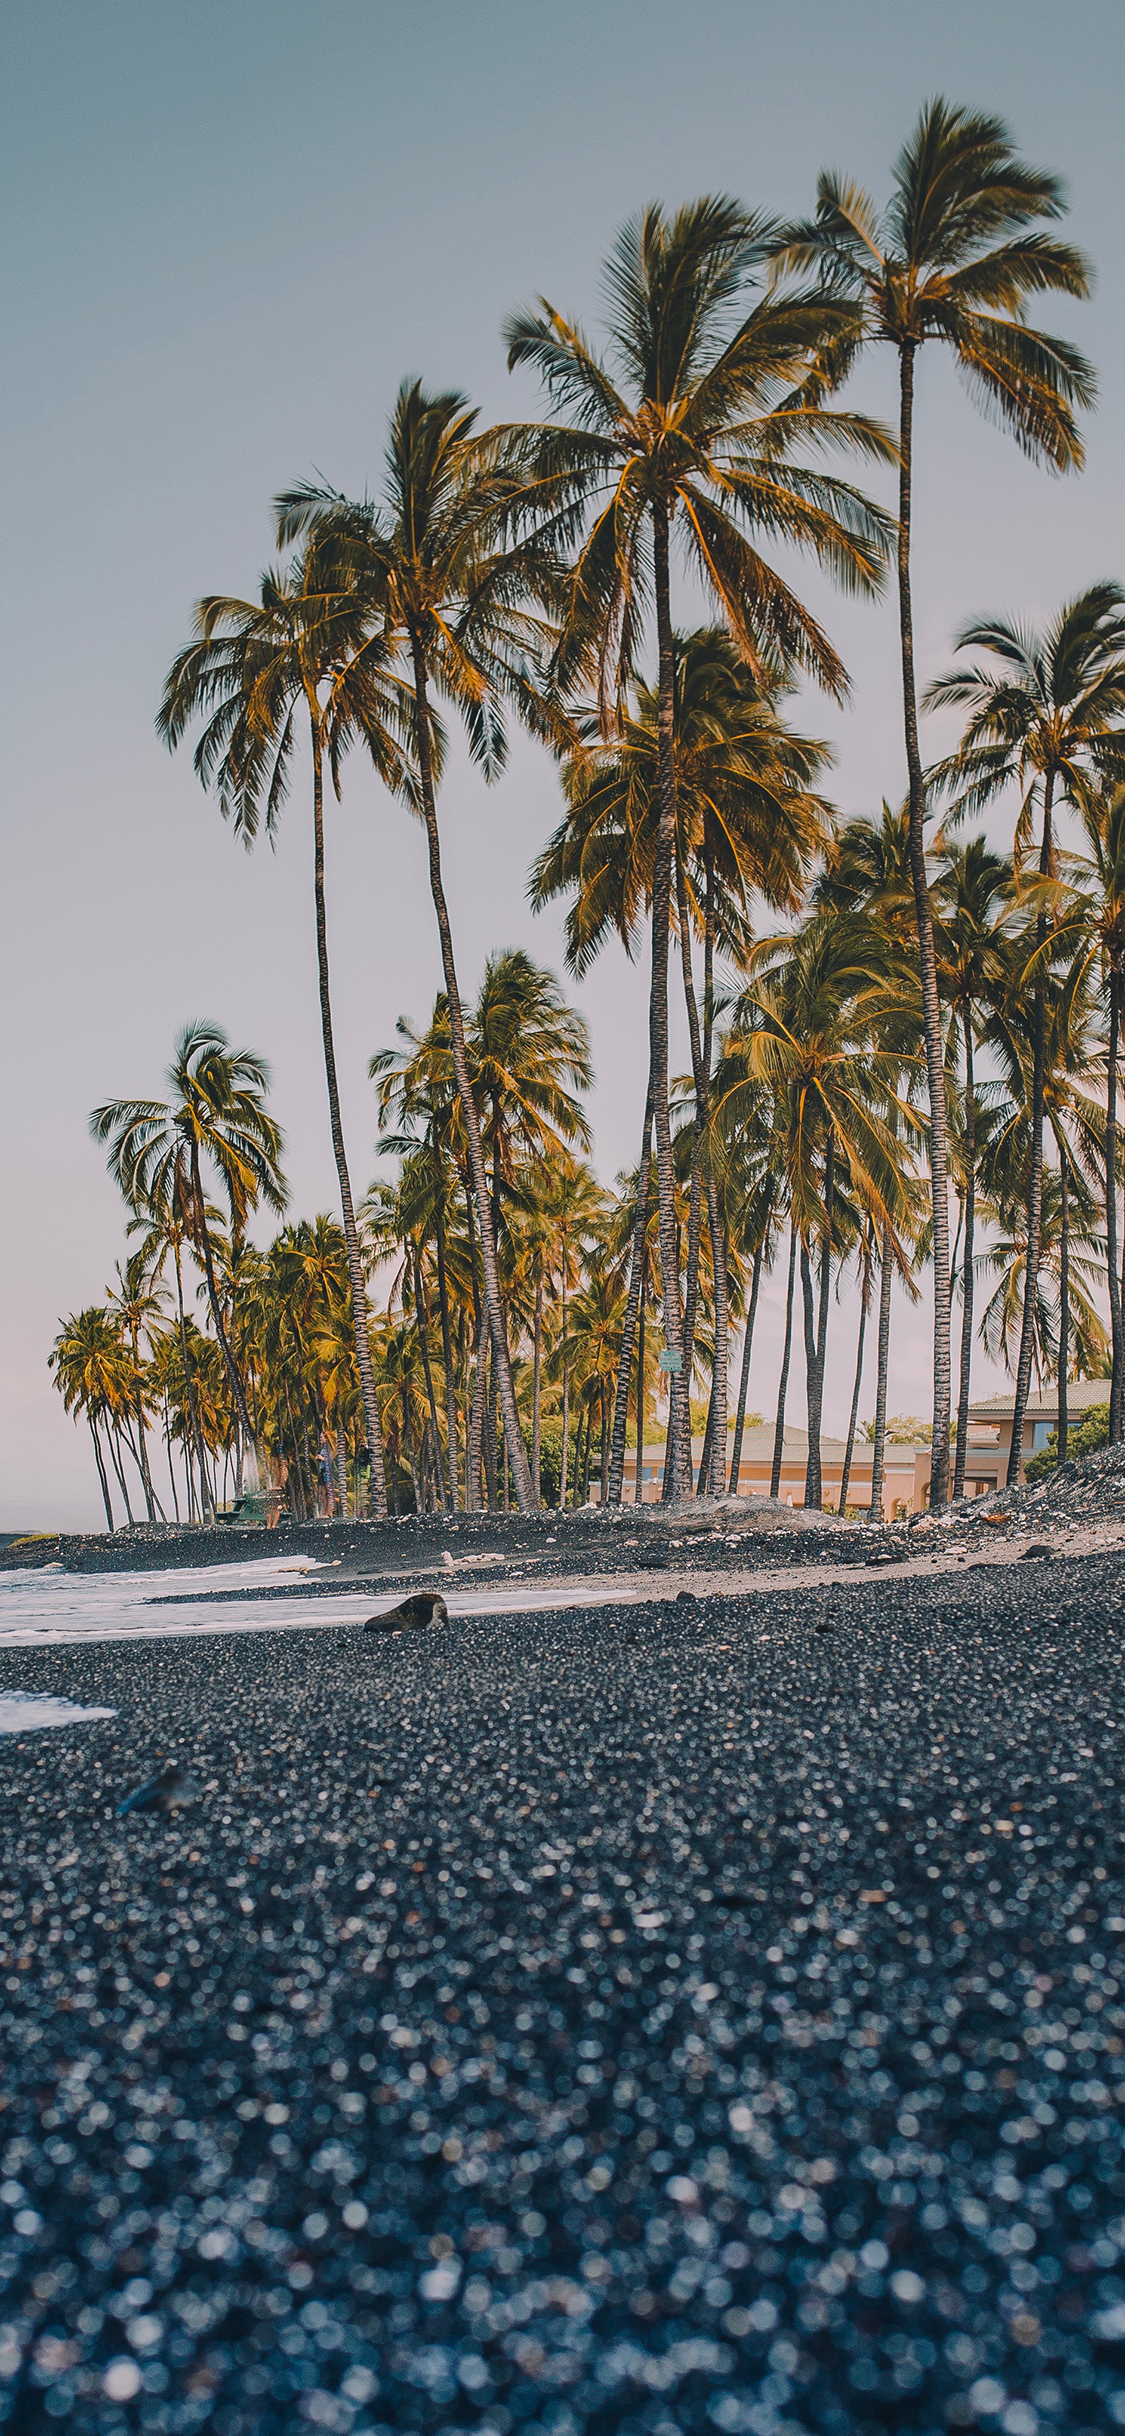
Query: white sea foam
25, 1712
38, 1607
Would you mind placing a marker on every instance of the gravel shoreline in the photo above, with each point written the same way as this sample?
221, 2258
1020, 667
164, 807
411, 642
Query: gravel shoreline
701, 2013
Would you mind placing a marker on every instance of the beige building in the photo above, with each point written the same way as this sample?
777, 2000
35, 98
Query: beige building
906, 1470
990, 1429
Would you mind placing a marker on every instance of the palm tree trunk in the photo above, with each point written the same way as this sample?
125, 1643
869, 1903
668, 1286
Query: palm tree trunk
639, 1475
879, 1443
632, 1305
679, 1480
1064, 1304
783, 1383
502, 1360
1035, 1170
1116, 1396
853, 1416
351, 1235
968, 1280
744, 1374
115, 1459
931, 1010
447, 1354
491, 1432
101, 1472
700, 1062
536, 1378
476, 1425
203, 1240
189, 1384
603, 1451
565, 1418
816, 1346
422, 1317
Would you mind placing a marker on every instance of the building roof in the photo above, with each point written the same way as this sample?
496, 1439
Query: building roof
1081, 1394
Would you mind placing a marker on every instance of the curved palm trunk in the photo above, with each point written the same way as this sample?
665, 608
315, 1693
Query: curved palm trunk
967, 1271
1116, 1398
783, 1383
101, 1472
878, 1450
678, 1468
1064, 1305
632, 1313
931, 1010
371, 1419
1035, 1172
521, 1469
853, 1416
744, 1374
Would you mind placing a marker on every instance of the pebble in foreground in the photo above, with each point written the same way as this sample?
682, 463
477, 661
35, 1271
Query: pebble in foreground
174, 1789
411, 1614
653, 2021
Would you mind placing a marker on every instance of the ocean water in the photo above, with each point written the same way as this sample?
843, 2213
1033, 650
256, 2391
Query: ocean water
27, 1712
44, 1605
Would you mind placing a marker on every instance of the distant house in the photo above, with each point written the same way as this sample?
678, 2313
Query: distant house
906, 1475
990, 1429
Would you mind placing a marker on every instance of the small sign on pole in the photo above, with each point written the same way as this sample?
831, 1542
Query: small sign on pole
670, 1359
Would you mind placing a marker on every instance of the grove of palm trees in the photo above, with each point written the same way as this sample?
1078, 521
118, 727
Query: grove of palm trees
903, 1028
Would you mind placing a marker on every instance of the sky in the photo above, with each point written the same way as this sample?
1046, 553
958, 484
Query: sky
232, 230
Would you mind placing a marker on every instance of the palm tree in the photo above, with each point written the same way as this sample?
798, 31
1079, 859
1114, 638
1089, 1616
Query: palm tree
94, 1376
216, 1113
1101, 876
1046, 717
952, 260
417, 1087
138, 1304
747, 824
447, 600
973, 892
814, 1023
689, 426
254, 669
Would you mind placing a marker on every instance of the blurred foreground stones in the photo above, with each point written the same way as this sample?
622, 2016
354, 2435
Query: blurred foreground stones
656, 2018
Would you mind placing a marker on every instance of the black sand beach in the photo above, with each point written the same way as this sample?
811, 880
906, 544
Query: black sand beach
698, 2013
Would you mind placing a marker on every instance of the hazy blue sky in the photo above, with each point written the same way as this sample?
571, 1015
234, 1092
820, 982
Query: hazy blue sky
231, 230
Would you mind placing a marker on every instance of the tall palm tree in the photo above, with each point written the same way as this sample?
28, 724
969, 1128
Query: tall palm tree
253, 672
447, 603
951, 261
689, 427
973, 892
1047, 717
216, 1113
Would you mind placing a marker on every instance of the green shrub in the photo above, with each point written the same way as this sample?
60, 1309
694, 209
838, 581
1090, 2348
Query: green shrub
1084, 1440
